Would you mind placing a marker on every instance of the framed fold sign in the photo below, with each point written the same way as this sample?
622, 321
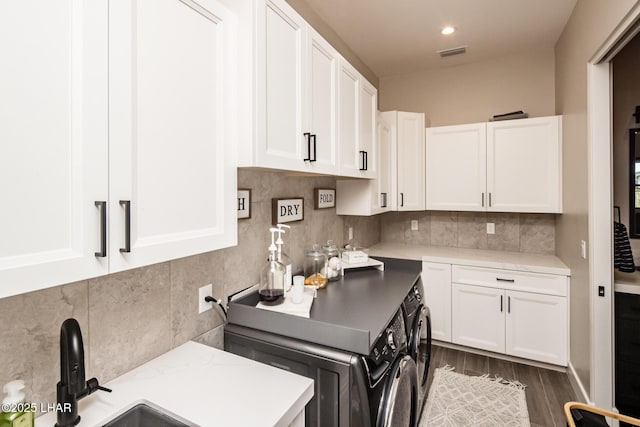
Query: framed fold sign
287, 210
324, 198
244, 203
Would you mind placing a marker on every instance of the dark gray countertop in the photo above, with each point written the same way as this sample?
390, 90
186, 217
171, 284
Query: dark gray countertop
348, 314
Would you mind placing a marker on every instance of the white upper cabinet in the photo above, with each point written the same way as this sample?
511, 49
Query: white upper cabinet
351, 160
323, 106
281, 36
53, 155
367, 197
172, 161
109, 106
524, 165
456, 167
410, 166
357, 110
296, 88
505, 166
367, 123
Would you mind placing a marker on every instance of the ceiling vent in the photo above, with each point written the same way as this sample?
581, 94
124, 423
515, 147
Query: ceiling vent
450, 52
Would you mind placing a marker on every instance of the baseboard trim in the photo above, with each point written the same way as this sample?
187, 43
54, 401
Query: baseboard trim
577, 385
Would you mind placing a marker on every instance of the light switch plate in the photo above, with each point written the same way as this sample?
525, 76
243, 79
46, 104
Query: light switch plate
350, 233
204, 291
414, 224
491, 228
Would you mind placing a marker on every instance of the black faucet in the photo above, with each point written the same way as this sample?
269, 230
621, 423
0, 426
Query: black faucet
72, 386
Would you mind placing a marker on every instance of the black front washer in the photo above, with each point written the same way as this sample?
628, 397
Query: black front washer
391, 372
420, 350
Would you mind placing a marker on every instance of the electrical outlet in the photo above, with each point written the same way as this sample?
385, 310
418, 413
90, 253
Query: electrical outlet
414, 225
205, 291
350, 233
583, 249
491, 228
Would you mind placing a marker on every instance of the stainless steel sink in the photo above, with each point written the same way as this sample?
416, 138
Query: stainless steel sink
143, 415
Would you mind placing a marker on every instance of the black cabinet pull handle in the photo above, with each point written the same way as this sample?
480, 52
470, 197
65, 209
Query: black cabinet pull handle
401, 199
508, 304
307, 136
363, 168
500, 303
127, 225
366, 160
315, 157
483, 200
384, 200
505, 280
489, 199
103, 229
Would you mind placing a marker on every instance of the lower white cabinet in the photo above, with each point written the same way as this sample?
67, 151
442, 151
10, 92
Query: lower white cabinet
477, 317
436, 278
518, 313
536, 327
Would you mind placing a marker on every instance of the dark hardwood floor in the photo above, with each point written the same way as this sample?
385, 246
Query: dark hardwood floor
546, 392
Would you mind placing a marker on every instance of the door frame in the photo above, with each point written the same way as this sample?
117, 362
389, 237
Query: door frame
600, 186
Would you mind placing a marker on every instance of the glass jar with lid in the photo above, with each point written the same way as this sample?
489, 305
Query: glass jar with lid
315, 267
334, 264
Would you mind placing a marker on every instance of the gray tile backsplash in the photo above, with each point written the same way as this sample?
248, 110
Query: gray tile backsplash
128, 318
532, 233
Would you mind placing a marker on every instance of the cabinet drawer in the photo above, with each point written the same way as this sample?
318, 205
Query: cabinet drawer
508, 279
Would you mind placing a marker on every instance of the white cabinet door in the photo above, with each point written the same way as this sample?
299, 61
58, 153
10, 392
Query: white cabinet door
524, 158
366, 197
478, 316
456, 168
348, 125
170, 127
280, 75
436, 279
322, 111
410, 161
367, 120
382, 199
536, 327
53, 154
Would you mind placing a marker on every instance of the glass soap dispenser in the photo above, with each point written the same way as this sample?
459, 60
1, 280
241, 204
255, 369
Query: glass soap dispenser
271, 289
283, 258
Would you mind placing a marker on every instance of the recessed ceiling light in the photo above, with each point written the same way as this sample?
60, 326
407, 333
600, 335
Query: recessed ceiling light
448, 30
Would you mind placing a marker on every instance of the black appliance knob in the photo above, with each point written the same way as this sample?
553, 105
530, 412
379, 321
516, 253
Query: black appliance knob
391, 341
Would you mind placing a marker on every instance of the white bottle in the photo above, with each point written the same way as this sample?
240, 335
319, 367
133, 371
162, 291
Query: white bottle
284, 258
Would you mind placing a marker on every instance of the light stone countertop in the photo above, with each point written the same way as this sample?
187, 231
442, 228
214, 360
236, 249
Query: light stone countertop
628, 283
203, 386
518, 261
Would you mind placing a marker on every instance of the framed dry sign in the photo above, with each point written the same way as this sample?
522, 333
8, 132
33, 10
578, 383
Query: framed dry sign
244, 203
287, 210
324, 198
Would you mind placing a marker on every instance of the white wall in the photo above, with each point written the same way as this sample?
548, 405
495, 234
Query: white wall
474, 92
591, 22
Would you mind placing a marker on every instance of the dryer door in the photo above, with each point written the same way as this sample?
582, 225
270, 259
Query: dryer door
398, 405
420, 348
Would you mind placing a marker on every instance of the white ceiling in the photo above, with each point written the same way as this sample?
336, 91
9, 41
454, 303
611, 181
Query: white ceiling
400, 36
